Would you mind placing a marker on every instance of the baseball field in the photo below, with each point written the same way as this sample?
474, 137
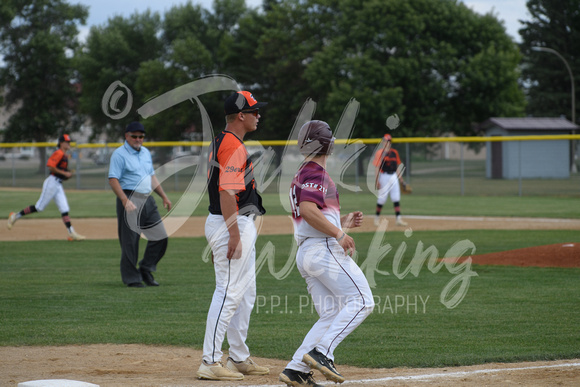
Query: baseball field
479, 294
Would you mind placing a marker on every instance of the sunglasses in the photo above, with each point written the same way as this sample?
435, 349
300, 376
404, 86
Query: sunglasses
141, 137
252, 112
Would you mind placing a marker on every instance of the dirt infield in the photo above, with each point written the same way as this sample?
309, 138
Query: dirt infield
137, 365
106, 228
134, 365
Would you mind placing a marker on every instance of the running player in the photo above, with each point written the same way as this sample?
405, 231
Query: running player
339, 290
52, 189
387, 179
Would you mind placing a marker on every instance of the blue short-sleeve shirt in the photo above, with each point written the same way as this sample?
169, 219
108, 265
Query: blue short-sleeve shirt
132, 168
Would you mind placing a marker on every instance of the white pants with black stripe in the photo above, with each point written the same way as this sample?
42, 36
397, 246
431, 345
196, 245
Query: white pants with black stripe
389, 187
340, 292
52, 189
235, 291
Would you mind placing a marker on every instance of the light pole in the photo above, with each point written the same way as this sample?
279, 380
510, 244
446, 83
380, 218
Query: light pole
546, 49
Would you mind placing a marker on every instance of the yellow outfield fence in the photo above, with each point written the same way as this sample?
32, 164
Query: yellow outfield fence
368, 141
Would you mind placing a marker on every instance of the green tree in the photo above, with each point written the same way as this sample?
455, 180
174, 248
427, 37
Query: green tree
270, 52
192, 48
436, 64
553, 24
115, 52
37, 39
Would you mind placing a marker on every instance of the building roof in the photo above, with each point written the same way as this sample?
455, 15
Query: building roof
530, 123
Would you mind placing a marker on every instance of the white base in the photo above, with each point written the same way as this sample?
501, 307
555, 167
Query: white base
56, 383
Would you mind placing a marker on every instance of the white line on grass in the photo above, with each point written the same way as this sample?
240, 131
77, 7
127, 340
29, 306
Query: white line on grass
443, 375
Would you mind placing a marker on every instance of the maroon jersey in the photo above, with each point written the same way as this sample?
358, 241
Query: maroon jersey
313, 184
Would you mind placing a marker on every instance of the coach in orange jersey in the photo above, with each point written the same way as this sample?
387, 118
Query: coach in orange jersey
52, 189
231, 234
387, 179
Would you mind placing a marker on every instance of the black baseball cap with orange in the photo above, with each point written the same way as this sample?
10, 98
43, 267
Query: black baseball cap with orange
64, 138
242, 101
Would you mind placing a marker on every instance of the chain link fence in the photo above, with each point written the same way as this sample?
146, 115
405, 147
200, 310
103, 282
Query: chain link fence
528, 166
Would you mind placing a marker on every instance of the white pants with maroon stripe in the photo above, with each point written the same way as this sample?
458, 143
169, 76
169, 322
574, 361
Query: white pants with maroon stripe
52, 189
235, 291
340, 293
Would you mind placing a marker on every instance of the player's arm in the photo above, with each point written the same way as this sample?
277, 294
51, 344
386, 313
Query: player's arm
377, 172
116, 186
400, 169
229, 208
315, 218
58, 171
158, 189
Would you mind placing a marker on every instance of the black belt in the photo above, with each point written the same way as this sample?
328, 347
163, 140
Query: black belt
249, 214
135, 194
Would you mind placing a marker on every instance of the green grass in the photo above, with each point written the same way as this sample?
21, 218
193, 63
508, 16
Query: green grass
58, 293
101, 204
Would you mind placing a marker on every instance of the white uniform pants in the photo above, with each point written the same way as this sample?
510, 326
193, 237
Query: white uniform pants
52, 189
340, 293
235, 292
389, 185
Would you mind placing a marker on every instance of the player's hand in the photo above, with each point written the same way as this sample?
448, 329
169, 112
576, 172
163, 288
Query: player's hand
354, 219
378, 185
167, 203
234, 248
67, 174
347, 243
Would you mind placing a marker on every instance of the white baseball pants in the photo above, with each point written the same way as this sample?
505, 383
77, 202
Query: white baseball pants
235, 291
389, 185
340, 292
52, 189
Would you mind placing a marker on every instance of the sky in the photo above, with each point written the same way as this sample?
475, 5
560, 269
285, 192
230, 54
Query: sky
100, 10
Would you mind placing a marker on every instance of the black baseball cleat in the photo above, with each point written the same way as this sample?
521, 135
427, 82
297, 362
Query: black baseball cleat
297, 378
318, 361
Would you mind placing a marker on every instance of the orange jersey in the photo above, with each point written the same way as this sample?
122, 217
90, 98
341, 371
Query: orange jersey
59, 160
387, 161
230, 168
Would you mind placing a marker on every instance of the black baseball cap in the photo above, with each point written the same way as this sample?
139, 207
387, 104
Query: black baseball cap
64, 138
242, 101
135, 126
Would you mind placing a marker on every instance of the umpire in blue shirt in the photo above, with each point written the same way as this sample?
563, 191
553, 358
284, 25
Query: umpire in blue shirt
132, 178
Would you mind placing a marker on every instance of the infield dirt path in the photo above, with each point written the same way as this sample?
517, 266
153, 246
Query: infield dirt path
137, 365
106, 228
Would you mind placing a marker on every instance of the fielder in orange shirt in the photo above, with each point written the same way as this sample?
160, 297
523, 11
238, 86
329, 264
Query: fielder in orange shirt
52, 189
387, 179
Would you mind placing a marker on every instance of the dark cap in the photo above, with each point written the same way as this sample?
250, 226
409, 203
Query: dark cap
64, 138
242, 100
315, 139
135, 126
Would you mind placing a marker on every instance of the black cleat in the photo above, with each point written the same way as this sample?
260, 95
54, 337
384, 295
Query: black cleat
318, 361
297, 378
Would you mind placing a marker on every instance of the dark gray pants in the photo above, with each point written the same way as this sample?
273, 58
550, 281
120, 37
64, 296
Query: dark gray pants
147, 220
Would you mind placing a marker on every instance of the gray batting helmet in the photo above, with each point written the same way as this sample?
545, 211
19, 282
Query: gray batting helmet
315, 139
